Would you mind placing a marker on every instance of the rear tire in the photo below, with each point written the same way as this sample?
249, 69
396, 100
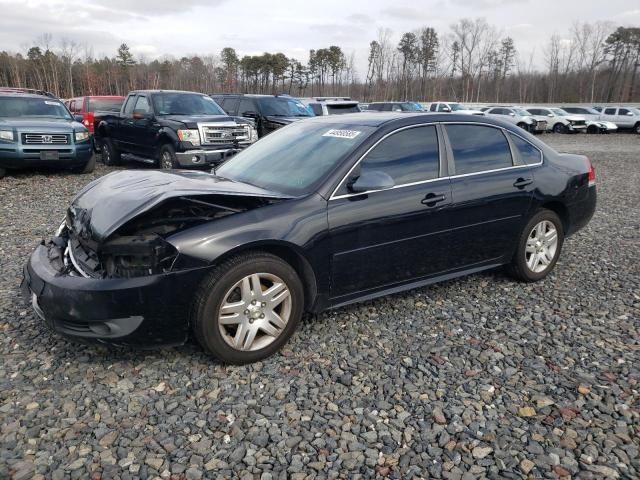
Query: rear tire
538, 248
254, 324
110, 154
167, 158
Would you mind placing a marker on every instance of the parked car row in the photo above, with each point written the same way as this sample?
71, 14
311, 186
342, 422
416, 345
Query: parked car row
178, 129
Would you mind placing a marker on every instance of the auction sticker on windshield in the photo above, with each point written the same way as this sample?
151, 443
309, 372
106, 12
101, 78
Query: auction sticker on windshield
348, 134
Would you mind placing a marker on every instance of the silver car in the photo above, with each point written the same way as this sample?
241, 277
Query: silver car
322, 106
520, 117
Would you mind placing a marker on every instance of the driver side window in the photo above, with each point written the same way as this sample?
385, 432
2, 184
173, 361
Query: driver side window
142, 105
408, 156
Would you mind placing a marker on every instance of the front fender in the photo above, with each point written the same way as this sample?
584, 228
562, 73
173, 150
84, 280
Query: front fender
166, 132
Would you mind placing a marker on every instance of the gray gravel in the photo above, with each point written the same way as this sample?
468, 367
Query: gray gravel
478, 377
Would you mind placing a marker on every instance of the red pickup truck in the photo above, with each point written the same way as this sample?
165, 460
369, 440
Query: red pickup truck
88, 106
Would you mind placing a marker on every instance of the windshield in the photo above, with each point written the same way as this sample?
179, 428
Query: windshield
522, 112
283, 107
559, 111
457, 106
32, 107
185, 104
409, 107
339, 108
105, 104
306, 151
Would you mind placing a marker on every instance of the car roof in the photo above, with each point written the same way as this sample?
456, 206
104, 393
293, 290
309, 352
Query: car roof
17, 94
166, 91
380, 118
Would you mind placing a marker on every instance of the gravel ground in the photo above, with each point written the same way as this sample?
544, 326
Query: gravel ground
478, 377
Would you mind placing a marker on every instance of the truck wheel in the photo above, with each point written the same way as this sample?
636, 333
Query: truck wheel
523, 126
247, 308
592, 129
3, 172
538, 247
167, 160
110, 154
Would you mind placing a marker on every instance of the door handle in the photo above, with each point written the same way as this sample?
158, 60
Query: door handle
522, 182
431, 199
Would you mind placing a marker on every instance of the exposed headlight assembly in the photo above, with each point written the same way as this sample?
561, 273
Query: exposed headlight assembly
192, 136
253, 134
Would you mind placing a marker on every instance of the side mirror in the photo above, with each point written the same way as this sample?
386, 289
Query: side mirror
512, 114
78, 118
140, 114
253, 115
549, 114
446, 109
371, 180
630, 114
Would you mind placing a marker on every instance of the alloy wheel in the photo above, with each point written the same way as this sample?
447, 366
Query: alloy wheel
167, 161
542, 245
254, 312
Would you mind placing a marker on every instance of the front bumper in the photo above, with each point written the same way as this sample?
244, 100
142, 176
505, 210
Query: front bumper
13, 155
143, 311
205, 157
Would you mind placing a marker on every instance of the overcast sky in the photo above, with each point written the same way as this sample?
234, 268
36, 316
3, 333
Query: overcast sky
154, 28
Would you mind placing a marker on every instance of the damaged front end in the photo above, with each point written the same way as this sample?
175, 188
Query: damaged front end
114, 272
140, 246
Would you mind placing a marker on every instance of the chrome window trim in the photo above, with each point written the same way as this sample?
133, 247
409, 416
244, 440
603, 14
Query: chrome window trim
440, 153
406, 127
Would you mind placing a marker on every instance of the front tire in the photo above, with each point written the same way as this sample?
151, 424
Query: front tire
539, 247
3, 172
110, 154
247, 308
560, 128
167, 160
636, 128
89, 167
592, 129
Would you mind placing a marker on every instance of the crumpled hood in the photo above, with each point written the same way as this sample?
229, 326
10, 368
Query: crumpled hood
109, 202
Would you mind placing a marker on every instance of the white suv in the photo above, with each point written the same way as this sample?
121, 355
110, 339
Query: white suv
559, 121
520, 117
449, 107
595, 123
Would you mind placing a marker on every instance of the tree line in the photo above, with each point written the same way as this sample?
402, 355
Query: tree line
471, 62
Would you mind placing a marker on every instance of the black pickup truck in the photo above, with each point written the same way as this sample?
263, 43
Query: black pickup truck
171, 129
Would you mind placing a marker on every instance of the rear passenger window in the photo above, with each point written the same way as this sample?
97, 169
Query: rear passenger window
408, 156
529, 154
477, 148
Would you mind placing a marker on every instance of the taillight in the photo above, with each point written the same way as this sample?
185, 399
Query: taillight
591, 175
88, 121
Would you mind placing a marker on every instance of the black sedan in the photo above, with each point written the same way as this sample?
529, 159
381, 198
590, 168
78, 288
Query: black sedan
319, 214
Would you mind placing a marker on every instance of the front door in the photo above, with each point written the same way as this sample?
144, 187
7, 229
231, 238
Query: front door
385, 238
142, 131
492, 191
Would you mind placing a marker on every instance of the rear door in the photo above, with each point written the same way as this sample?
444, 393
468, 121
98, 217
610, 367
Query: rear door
492, 190
390, 237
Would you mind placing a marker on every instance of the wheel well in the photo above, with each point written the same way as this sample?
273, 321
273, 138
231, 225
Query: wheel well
293, 258
561, 210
